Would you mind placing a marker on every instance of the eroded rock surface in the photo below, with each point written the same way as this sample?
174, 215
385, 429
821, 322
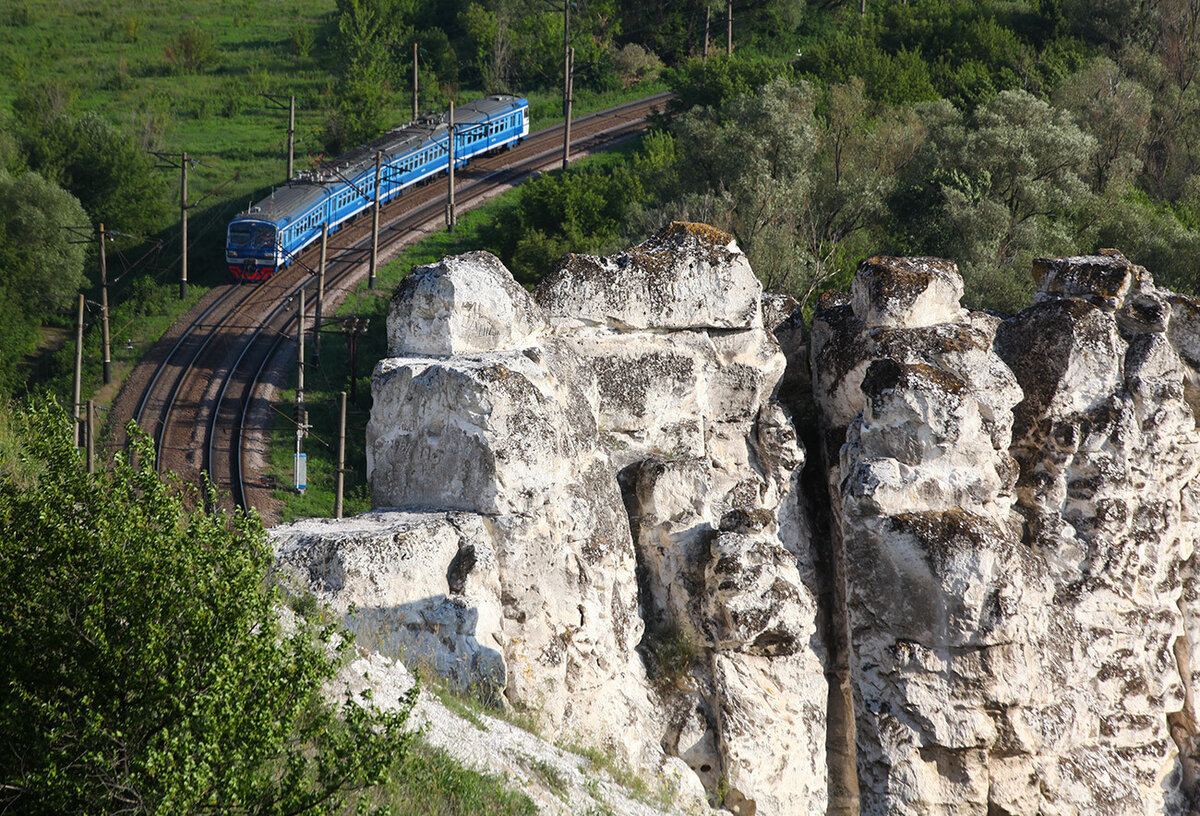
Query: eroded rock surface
592, 510
1015, 505
590, 505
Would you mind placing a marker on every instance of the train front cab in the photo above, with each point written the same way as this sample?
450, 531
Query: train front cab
250, 250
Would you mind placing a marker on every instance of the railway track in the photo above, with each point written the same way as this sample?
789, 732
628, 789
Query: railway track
199, 392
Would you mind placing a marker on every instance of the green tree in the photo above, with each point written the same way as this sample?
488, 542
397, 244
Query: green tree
98, 163
41, 266
801, 191
997, 189
146, 669
1114, 109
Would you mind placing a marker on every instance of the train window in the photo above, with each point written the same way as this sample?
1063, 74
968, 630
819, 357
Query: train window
262, 237
239, 234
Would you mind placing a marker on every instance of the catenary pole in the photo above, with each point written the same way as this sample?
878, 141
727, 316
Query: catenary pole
707, 22
567, 118
414, 82
291, 136
78, 382
320, 296
183, 208
375, 222
341, 458
451, 214
107, 349
91, 437
729, 27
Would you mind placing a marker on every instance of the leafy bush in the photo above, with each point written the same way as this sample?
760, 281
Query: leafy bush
146, 669
194, 50
633, 63
302, 39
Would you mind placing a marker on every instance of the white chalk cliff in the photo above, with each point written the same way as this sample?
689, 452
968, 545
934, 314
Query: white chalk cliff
975, 594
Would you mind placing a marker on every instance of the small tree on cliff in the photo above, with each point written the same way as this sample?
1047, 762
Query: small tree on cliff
145, 669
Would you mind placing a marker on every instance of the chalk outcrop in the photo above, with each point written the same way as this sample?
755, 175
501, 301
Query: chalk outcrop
1016, 516
591, 512
591, 504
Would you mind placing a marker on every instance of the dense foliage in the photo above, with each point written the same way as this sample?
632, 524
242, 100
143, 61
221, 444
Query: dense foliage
146, 669
988, 133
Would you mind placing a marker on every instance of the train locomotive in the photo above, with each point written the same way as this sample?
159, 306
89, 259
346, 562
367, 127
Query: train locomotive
271, 233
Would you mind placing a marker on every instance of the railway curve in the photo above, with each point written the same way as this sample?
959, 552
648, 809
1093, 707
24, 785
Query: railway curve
203, 391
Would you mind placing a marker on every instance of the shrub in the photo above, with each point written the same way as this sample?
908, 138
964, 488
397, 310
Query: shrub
633, 63
146, 669
194, 50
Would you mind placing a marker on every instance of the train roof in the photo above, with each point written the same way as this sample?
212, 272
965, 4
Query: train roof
309, 186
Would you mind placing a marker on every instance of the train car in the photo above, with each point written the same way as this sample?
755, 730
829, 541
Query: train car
272, 232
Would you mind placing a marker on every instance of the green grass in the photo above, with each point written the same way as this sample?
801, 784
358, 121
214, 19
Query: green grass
429, 782
111, 56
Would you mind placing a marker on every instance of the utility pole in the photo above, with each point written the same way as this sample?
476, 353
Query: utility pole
707, 21
104, 308
566, 81
375, 222
414, 85
451, 214
301, 463
91, 437
354, 328
320, 296
291, 136
75, 391
183, 211
341, 459
729, 27
570, 94
183, 208
278, 103
300, 352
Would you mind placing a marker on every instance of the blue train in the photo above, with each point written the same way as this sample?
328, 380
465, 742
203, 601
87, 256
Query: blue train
272, 232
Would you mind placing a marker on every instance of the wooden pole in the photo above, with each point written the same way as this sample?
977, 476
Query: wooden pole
567, 118
291, 137
183, 208
451, 215
707, 21
566, 53
78, 383
104, 309
729, 27
91, 437
320, 295
375, 222
341, 459
414, 82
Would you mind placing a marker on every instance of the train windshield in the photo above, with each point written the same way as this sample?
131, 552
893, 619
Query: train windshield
253, 235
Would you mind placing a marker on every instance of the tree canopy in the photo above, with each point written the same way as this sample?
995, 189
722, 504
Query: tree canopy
146, 669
